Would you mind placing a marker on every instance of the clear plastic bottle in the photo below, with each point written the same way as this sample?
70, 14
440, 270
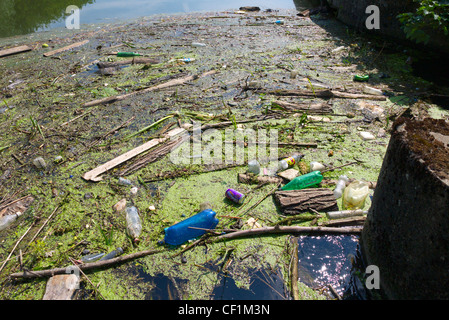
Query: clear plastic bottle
289, 162
190, 228
254, 166
92, 257
112, 254
134, 224
304, 181
355, 194
8, 220
341, 184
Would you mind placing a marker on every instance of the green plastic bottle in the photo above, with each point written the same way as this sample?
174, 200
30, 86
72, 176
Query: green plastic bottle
304, 181
361, 78
128, 54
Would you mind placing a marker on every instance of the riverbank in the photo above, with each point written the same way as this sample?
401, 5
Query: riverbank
253, 56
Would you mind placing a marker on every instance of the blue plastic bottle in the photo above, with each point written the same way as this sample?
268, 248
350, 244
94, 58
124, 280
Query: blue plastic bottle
179, 233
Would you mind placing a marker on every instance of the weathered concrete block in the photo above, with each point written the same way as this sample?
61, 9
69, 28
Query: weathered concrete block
406, 233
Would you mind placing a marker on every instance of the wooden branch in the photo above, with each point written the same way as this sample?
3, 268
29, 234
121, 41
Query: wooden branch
294, 269
324, 94
84, 267
286, 229
171, 83
74, 45
15, 50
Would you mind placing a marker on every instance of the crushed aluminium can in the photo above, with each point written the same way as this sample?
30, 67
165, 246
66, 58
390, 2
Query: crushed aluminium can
235, 196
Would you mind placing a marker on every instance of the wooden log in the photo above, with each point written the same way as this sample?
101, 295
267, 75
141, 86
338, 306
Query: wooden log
15, 50
73, 45
61, 287
298, 201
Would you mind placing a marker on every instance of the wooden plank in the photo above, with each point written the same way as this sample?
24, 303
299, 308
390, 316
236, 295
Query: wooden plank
94, 175
61, 287
74, 45
15, 50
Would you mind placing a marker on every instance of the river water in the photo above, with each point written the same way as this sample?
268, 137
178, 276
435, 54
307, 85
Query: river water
21, 17
325, 260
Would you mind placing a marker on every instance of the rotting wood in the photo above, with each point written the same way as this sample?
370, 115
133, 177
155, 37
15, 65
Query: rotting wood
94, 175
294, 269
73, 45
298, 201
324, 94
84, 267
170, 83
15, 50
314, 108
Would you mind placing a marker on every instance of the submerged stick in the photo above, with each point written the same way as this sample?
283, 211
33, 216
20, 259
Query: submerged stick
287, 229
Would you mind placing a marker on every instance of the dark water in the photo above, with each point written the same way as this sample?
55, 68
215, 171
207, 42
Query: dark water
322, 261
20, 17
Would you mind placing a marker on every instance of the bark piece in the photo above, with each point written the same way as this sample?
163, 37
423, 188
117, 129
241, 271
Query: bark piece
293, 202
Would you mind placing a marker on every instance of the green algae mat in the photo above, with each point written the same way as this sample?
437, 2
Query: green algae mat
44, 112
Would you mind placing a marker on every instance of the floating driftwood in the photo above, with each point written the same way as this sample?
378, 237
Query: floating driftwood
286, 229
74, 45
83, 267
15, 50
324, 94
298, 201
171, 83
94, 175
314, 108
